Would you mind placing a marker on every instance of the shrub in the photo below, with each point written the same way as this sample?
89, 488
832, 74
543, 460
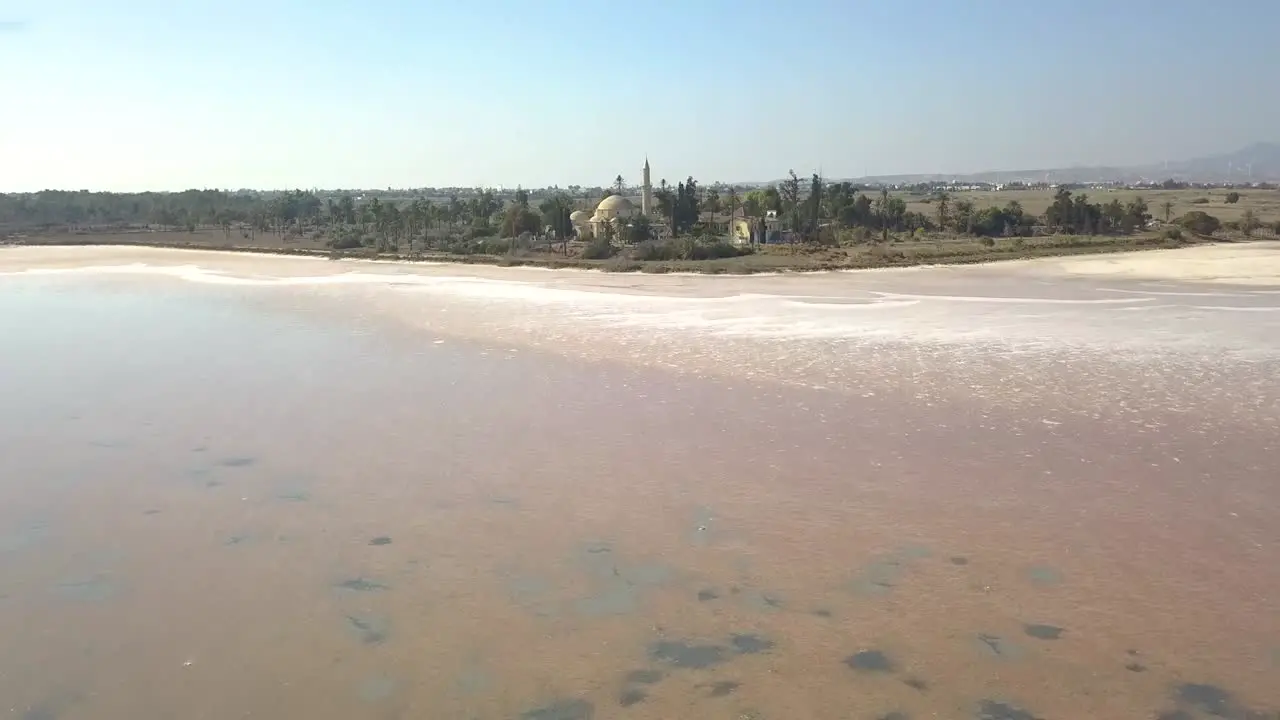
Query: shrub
458, 246
1200, 222
345, 242
599, 249
652, 250
688, 249
1200, 201
988, 242
1233, 198
491, 245
621, 264
1173, 233
714, 250
884, 253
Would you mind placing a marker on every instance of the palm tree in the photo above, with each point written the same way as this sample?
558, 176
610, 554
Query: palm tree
943, 200
374, 211
733, 207
415, 219
454, 210
347, 209
1248, 223
392, 225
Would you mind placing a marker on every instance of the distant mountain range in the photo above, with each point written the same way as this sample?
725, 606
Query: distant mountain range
1259, 162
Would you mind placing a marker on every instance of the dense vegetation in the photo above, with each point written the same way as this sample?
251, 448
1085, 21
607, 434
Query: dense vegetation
482, 221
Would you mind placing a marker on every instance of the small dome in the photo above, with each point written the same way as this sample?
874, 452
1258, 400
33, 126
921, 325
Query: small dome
615, 203
578, 216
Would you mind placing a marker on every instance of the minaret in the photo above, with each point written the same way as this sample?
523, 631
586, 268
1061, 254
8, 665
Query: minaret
646, 193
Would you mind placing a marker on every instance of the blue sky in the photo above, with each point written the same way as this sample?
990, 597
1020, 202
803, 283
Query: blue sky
151, 94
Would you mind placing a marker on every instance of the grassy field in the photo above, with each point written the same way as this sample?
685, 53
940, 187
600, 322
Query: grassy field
941, 250
1264, 203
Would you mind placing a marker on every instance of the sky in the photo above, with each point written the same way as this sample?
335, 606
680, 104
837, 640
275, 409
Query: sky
129, 95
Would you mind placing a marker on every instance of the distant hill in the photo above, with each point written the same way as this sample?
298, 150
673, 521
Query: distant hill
1259, 162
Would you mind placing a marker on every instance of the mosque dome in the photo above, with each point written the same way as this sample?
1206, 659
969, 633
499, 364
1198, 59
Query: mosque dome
614, 205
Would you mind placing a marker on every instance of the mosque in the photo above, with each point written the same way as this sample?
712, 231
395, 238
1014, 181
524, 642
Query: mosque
616, 208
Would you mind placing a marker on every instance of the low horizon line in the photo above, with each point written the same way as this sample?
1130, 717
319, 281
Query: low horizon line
1132, 169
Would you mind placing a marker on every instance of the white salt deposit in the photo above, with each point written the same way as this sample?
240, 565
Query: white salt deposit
1102, 335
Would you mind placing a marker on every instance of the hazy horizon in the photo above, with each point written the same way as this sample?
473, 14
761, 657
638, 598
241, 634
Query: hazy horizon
334, 95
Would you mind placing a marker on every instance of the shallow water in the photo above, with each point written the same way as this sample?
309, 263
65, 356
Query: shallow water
215, 503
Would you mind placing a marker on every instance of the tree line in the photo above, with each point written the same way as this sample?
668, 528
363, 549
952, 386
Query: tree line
813, 210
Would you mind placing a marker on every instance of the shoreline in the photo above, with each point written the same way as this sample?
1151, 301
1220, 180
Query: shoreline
776, 261
1076, 329
1236, 265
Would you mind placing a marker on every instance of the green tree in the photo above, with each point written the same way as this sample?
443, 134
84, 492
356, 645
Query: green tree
1085, 216
753, 203
635, 230
555, 215
1061, 213
517, 220
455, 210
941, 207
773, 200
711, 201
376, 213
666, 204
1136, 216
393, 226
1112, 216
813, 206
347, 209
684, 211
483, 208
964, 216
838, 197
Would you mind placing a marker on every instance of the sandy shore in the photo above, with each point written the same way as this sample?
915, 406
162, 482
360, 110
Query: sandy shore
1237, 264
1252, 264
1003, 334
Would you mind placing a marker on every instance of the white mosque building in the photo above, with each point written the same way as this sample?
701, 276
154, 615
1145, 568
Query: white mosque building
616, 208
